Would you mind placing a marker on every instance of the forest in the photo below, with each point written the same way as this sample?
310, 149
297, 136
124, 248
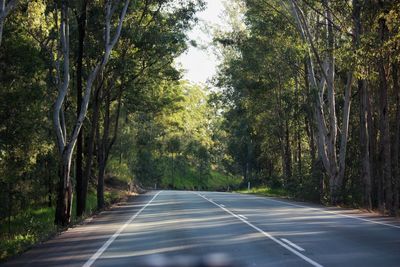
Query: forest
305, 103
312, 97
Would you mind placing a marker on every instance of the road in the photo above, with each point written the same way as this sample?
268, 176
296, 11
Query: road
247, 230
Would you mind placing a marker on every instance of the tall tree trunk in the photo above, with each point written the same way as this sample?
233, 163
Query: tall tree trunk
65, 147
309, 118
10, 206
288, 153
100, 181
106, 143
299, 152
396, 142
385, 144
49, 185
364, 131
345, 130
365, 144
91, 139
284, 141
80, 195
337, 169
64, 197
298, 155
373, 146
66, 144
100, 174
327, 126
102, 147
1, 29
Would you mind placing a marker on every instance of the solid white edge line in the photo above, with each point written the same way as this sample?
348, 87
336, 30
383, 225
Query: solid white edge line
293, 244
334, 213
222, 205
101, 250
242, 216
268, 235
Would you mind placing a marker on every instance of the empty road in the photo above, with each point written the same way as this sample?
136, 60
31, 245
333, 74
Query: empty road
245, 229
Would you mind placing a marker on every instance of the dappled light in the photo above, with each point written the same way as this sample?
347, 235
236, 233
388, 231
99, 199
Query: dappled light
183, 224
200, 133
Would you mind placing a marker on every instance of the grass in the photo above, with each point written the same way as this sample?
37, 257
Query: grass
222, 181
266, 191
27, 228
113, 196
35, 225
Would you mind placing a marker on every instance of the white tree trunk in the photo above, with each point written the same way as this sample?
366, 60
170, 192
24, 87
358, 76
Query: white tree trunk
5, 9
67, 144
327, 125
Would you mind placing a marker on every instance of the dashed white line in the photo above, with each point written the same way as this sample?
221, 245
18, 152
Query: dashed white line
307, 259
101, 250
293, 244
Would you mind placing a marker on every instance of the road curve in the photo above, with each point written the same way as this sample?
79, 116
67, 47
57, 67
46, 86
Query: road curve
247, 230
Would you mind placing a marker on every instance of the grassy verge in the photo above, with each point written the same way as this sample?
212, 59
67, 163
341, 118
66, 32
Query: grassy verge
27, 228
222, 181
36, 225
265, 191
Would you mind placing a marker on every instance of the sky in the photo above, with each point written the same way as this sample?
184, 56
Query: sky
200, 63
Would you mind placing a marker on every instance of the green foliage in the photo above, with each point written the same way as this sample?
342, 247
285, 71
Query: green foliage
138, 86
31, 226
119, 169
266, 191
262, 96
269, 107
260, 126
178, 145
28, 228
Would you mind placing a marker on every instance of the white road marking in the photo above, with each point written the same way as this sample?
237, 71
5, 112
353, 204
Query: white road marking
335, 213
242, 216
222, 205
101, 250
307, 259
293, 244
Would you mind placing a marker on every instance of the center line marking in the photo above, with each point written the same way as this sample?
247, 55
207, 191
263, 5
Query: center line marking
116, 234
293, 244
307, 259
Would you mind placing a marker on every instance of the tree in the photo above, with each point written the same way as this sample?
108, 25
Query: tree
5, 8
334, 161
67, 144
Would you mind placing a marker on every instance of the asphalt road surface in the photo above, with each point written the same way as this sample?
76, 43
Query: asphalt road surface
179, 226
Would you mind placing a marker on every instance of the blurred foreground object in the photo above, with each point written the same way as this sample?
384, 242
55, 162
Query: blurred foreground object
211, 260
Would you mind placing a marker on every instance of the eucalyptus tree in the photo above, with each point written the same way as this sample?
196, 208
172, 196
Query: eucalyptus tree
334, 159
65, 143
315, 83
365, 134
147, 50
